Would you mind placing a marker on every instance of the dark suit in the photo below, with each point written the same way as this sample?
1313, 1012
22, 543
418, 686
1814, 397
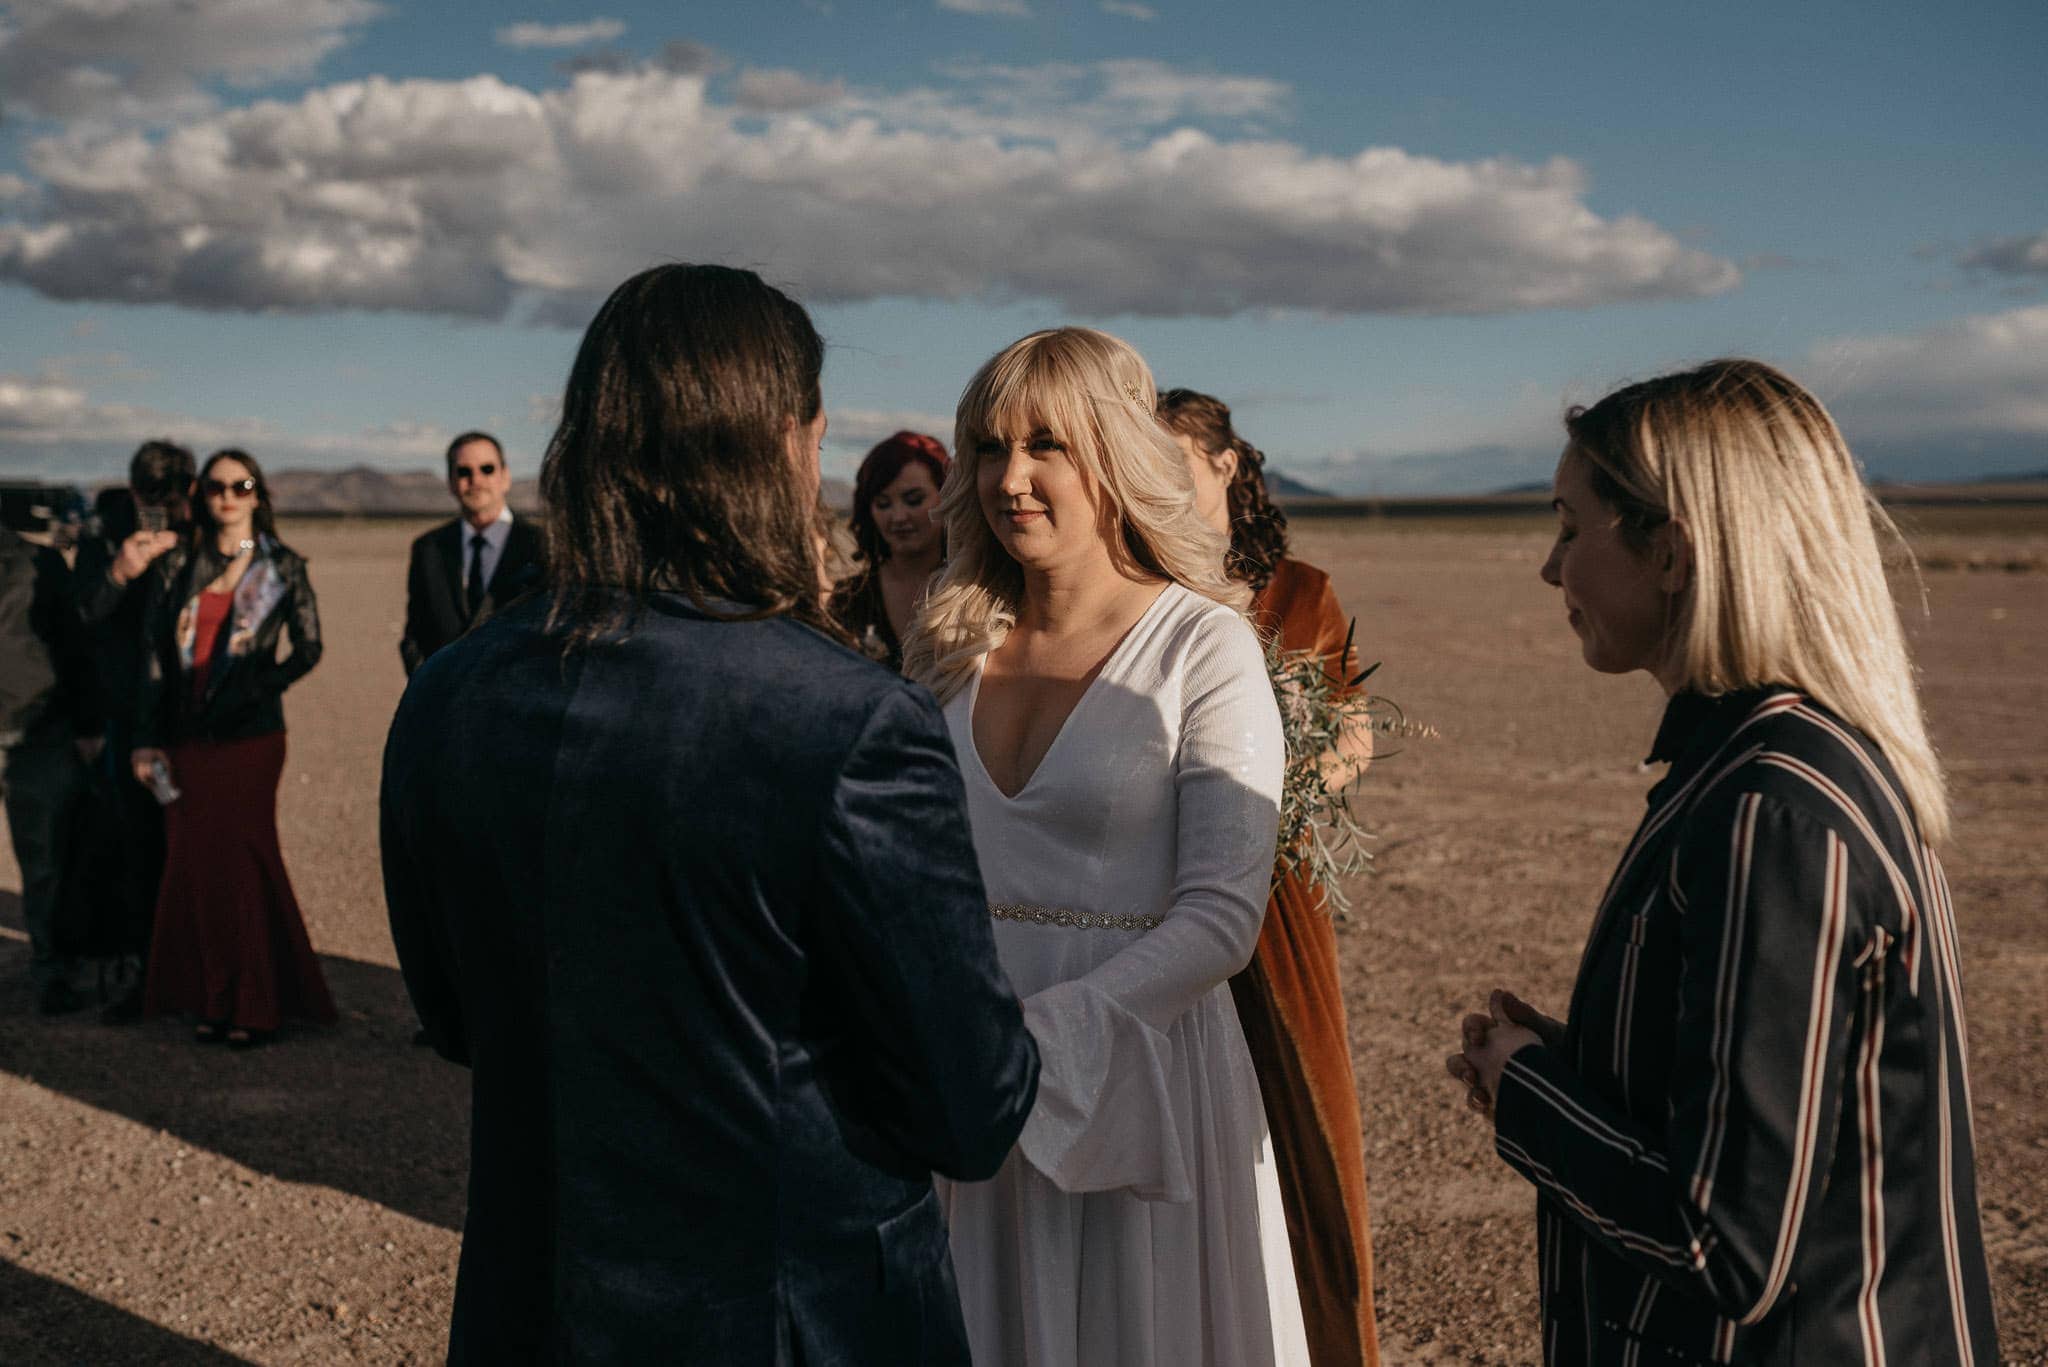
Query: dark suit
701, 912
1754, 1146
436, 609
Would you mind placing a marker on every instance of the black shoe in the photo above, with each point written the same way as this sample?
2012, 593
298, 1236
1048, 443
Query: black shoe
125, 1009
238, 1038
58, 997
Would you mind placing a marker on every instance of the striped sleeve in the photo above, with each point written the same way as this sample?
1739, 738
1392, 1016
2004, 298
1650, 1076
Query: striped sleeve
1716, 1199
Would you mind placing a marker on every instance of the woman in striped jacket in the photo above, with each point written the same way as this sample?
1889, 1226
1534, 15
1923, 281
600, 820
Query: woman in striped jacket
1751, 1134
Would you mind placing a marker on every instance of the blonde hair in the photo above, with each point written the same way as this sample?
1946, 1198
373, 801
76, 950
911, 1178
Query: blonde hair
1787, 583
1095, 395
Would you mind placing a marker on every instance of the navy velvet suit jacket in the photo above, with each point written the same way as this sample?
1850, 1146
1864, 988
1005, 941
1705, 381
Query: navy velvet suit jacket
701, 913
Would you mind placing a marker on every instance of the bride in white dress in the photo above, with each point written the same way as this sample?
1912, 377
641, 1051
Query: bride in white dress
1122, 757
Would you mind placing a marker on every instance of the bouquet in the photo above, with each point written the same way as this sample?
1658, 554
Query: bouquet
1321, 838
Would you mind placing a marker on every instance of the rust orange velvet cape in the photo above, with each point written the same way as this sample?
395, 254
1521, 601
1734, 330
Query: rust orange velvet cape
1292, 1006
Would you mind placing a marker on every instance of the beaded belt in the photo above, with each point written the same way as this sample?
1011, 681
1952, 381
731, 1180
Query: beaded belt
1061, 916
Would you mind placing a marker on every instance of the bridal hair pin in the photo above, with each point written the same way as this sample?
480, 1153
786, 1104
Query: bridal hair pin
1138, 398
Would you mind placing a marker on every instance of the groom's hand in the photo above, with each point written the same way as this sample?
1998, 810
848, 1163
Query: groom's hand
1495, 1039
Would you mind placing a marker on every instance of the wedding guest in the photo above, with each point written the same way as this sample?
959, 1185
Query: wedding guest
688, 885
230, 946
898, 546
44, 708
108, 578
1122, 756
1290, 998
464, 570
1751, 1135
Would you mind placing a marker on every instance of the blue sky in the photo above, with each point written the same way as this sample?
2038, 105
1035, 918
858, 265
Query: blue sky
1397, 238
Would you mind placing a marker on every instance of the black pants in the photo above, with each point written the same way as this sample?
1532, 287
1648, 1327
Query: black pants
42, 777
142, 847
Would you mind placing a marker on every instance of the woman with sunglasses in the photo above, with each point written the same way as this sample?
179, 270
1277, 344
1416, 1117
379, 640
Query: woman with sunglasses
230, 946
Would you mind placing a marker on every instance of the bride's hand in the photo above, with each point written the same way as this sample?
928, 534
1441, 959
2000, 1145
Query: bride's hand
1472, 1034
1548, 1029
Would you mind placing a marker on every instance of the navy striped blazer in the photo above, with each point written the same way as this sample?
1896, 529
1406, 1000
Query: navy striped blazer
1754, 1145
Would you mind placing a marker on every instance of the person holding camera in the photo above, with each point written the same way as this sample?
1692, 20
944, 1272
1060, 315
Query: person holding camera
133, 527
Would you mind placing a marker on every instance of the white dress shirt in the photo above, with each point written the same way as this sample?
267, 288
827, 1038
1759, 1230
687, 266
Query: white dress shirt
495, 535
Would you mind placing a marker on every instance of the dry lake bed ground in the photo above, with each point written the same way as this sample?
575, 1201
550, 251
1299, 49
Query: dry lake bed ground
161, 1203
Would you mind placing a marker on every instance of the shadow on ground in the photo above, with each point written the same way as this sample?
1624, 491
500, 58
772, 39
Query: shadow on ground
48, 1324
352, 1106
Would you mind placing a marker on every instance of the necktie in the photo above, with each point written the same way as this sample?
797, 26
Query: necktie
475, 594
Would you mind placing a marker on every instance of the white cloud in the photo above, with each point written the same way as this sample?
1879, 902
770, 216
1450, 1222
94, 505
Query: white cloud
1001, 9
2025, 255
1128, 9
147, 58
531, 34
1450, 441
850, 433
32, 406
1958, 400
51, 424
1985, 375
467, 197
1065, 102
863, 427
774, 90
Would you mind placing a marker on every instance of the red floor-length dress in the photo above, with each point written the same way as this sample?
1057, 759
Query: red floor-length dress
229, 944
1290, 1001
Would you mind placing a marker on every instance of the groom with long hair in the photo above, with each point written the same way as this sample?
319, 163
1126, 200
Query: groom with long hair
688, 885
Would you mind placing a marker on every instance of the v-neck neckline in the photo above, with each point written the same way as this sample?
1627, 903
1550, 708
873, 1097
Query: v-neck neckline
1108, 662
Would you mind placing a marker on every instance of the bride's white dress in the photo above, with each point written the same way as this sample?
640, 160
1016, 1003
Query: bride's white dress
1138, 1220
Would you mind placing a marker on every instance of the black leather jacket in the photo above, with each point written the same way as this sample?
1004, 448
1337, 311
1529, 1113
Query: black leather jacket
244, 693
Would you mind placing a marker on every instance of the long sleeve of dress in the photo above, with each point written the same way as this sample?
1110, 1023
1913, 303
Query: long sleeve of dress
1782, 965
1106, 1116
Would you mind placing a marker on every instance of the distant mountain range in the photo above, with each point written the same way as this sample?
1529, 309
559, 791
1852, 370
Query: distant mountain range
1285, 487
363, 491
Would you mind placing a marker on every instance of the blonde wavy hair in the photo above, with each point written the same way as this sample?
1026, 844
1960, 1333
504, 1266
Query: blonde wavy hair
1788, 586
1094, 394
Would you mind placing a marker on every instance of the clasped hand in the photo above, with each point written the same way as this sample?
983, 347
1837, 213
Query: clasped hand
1489, 1041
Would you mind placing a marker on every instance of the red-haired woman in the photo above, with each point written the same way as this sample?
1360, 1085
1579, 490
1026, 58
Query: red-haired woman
898, 546
1290, 999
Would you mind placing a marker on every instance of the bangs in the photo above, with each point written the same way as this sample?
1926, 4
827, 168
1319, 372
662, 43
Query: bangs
1025, 391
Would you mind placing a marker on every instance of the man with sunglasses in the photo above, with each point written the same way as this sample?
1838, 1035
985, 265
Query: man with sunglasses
464, 570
